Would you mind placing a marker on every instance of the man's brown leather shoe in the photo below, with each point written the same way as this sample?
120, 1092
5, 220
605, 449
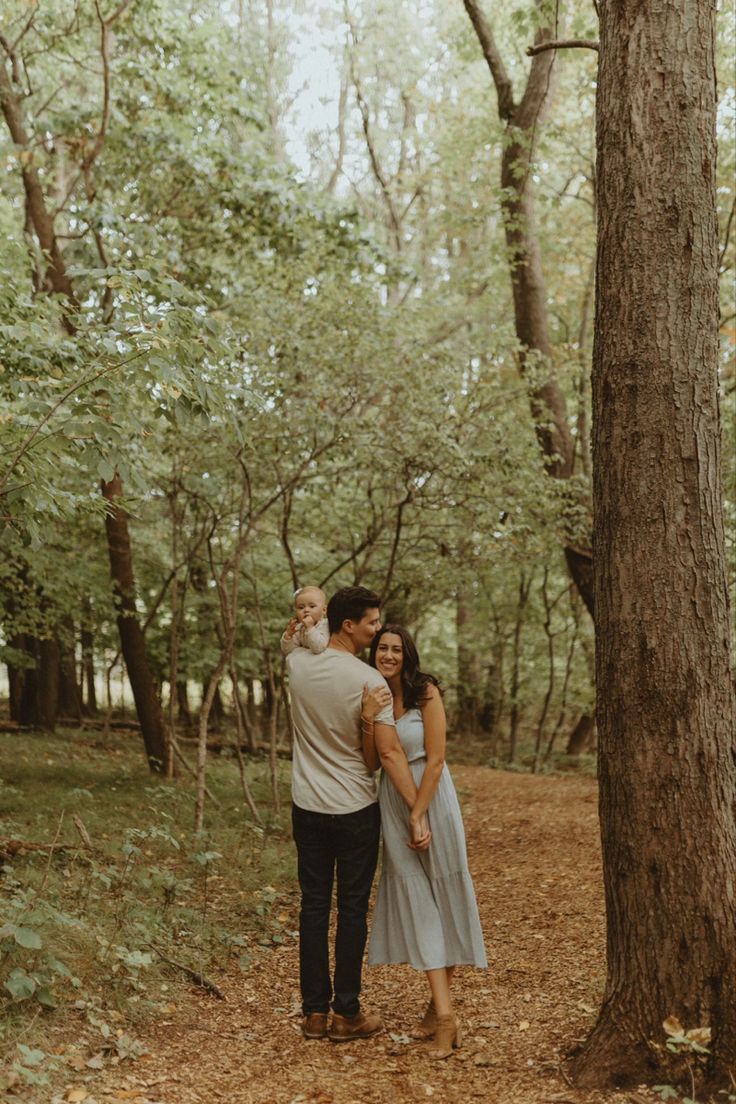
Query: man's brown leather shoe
362, 1026
314, 1026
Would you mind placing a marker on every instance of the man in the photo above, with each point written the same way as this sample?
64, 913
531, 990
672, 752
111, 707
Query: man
335, 814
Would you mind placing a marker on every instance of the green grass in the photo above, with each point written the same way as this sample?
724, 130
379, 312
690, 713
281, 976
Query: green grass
78, 925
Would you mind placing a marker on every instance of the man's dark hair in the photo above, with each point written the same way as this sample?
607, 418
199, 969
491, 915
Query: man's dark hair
350, 604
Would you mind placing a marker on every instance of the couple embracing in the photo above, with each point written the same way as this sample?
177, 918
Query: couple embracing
349, 720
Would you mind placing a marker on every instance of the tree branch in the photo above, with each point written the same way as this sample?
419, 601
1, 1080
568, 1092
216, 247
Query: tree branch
341, 138
38, 214
99, 141
372, 154
501, 79
562, 44
118, 12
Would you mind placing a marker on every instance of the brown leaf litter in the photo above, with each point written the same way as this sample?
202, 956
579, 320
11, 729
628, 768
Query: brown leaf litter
535, 858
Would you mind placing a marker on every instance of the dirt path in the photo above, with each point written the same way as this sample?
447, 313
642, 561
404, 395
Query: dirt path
534, 855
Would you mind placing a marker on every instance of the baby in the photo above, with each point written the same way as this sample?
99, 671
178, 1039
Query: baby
309, 628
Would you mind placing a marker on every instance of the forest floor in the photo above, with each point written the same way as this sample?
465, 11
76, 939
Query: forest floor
534, 854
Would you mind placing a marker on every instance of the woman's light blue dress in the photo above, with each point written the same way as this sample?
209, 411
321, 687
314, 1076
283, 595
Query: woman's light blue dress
426, 913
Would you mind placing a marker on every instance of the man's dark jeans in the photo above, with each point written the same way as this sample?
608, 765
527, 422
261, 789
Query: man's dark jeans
348, 842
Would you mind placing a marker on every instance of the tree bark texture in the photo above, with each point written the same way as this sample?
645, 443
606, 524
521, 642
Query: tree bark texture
132, 641
667, 758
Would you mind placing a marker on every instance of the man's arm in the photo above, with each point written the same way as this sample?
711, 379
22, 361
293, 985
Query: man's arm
394, 761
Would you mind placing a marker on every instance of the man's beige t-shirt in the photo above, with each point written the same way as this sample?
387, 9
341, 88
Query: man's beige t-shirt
329, 774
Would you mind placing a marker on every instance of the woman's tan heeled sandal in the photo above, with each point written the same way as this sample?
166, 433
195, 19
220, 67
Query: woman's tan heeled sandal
447, 1037
425, 1029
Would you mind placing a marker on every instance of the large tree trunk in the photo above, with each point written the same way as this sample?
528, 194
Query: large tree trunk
132, 641
47, 687
665, 699
34, 689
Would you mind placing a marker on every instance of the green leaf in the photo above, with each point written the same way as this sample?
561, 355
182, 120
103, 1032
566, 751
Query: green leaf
106, 470
31, 1056
27, 937
20, 985
45, 997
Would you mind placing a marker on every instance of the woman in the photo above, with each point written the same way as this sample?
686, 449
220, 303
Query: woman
426, 913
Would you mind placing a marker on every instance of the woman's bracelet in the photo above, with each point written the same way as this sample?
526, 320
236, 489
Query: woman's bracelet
367, 721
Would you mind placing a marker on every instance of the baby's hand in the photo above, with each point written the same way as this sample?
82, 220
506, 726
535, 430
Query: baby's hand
308, 621
291, 628
375, 700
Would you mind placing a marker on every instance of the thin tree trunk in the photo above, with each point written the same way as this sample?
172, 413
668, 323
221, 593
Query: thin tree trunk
209, 696
217, 708
183, 712
524, 588
28, 704
493, 701
469, 670
132, 641
341, 136
70, 695
566, 678
16, 677
581, 737
251, 710
273, 731
270, 688
227, 581
523, 122
173, 634
241, 713
667, 737
547, 625
88, 672
239, 736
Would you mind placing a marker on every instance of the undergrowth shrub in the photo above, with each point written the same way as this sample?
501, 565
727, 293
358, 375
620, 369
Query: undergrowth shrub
117, 883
